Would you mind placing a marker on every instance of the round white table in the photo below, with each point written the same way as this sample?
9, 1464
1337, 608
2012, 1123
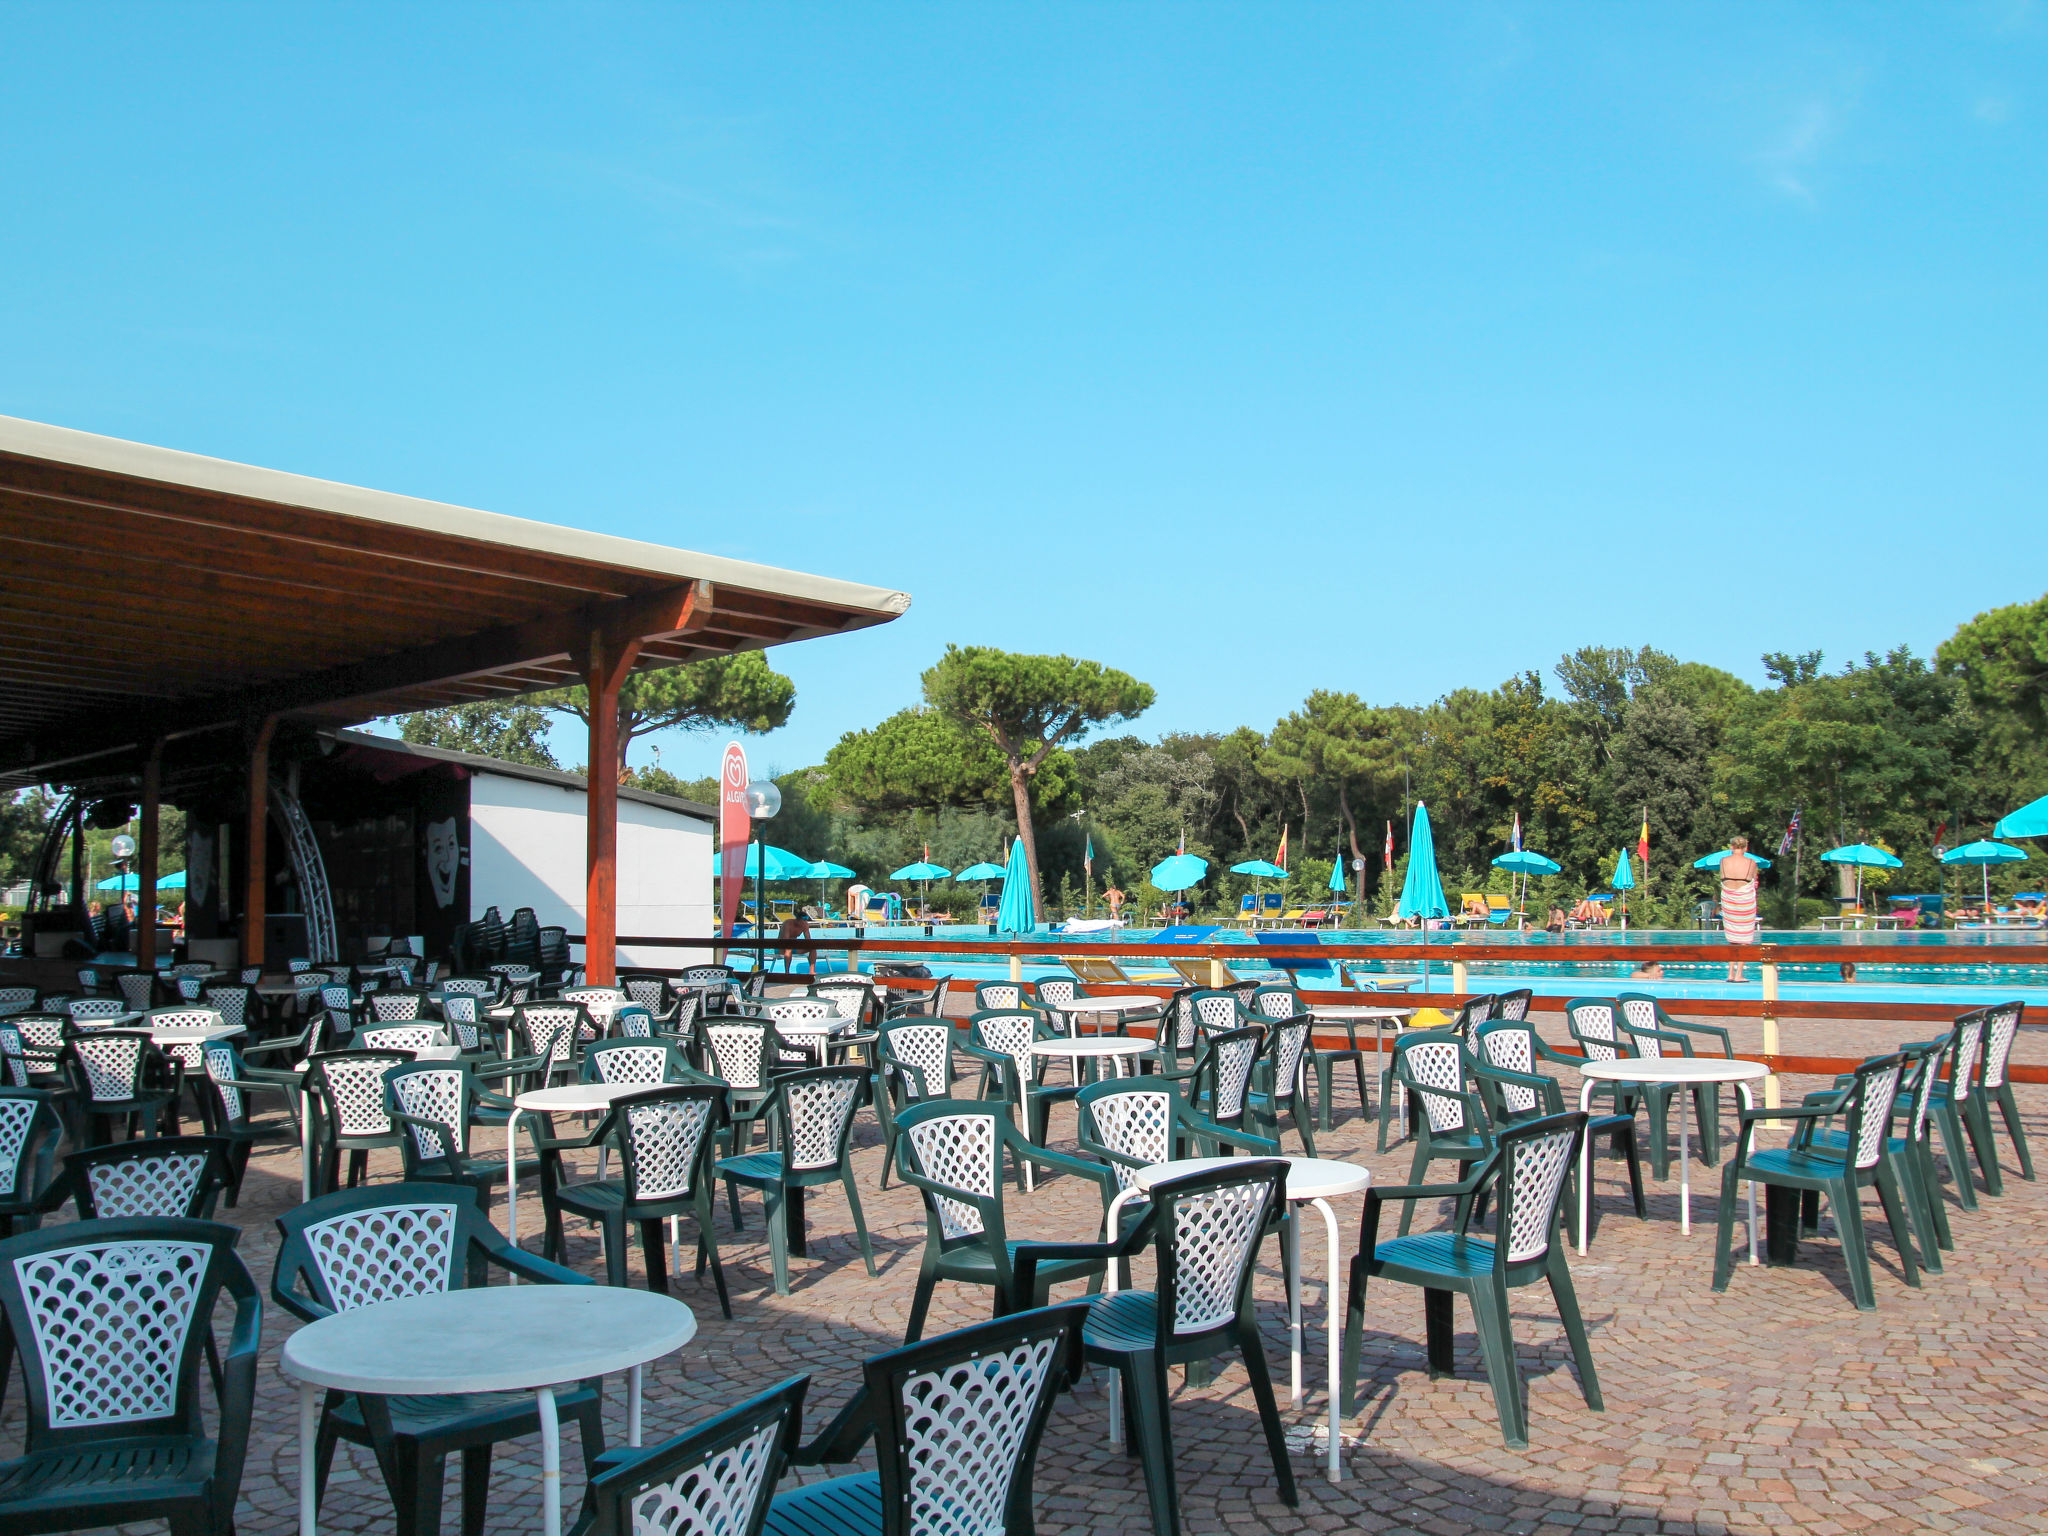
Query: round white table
194, 1034
1659, 1070
1118, 1049
1310, 1181
570, 1098
1079, 1008
454, 1341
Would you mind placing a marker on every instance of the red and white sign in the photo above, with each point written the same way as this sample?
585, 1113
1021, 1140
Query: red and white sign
735, 827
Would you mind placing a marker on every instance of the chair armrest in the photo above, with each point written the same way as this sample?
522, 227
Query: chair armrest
1026, 1257
1662, 1036
840, 1440
531, 1266
1727, 1045
1825, 1111
1264, 1145
1046, 1158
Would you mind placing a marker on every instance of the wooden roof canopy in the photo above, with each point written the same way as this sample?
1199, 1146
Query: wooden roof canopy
149, 594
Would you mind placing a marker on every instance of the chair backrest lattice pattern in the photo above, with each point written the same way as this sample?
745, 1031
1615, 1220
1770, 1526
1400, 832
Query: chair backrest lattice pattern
1437, 1064
1012, 1034
403, 1037
111, 1323
1137, 1123
998, 994
718, 1496
627, 1063
739, 1049
650, 992
966, 1427
1513, 1005
1216, 1010
221, 1067
1232, 1055
151, 1184
84, 1010
1536, 1168
1290, 1045
470, 986
14, 1054
353, 1085
1592, 1025
231, 1003
1056, 991
820, 1113
394, 1007
1998, 1040
1511, 1050
17, 997
707, 975
852, 997
1215, 1238
1963, 1063
549, 1030
17, 1115
113, 1062
1641, 1013
1185, 1021
662, 1144
439, 1094
393, 1251
459, 1012
1925, 1078
1874, 1113
1277, 1002
804, 1015
959, 1151
928, 1049
138, 990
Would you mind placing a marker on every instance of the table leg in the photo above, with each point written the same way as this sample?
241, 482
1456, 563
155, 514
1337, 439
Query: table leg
309, 1435
305, 1142
633, 1402
1290, 1240
1585, 1167
1334, 1322
512, 1176
1110, 1227
1684, 1097
550, 1464
1748, 1103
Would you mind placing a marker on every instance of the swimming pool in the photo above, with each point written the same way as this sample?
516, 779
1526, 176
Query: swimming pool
1546, 969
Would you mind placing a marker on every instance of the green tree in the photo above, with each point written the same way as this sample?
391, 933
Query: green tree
511, 730
1661, 770
1339, 743
24, 817
918, 760
739, 692
1029, 706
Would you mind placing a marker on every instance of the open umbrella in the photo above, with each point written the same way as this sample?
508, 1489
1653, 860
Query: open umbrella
824, 869
923, 872
1863, 856
1016, 914
1525, 862
773, 863
1624, 879
174, 882
1263, 868
2030, 820
1713, 860
984, 872
1984, 855
1179, 872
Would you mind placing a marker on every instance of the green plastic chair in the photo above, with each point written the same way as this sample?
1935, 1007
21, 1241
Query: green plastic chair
1001, 1041
1527, 1170
1282, 1081
913, 1062
1653, 1029
1866, 1109
1470, 1013
1911, 1162
1956, 1109
1222, 1084
1604, 1033
956, 1422
810, 1116
1505, 1053
1995, 1085
1434, 1067
718, 1477
952, 1154
1206, 1230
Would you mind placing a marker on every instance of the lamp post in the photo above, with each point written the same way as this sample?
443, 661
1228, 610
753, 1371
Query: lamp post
764, 800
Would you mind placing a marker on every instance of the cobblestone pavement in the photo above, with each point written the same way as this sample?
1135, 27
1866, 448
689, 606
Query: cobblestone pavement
1775, 1406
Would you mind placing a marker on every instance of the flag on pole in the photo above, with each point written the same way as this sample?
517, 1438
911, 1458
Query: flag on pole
1643, 841
1390, 845
1518, 831
1183, 848
1791, 836
1088, 855
1941, 840
1280, 858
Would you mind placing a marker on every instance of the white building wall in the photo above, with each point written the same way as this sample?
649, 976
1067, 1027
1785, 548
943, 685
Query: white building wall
527, 850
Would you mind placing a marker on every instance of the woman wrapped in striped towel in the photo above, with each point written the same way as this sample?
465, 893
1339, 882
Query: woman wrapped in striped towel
1739, 922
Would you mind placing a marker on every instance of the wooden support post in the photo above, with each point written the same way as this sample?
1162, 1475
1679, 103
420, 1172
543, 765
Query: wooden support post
1219, 974
1461, 977
1769, 968
146, 855
256, 843
605, 664
1016, 966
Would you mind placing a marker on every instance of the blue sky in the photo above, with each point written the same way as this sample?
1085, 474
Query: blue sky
1251, 349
